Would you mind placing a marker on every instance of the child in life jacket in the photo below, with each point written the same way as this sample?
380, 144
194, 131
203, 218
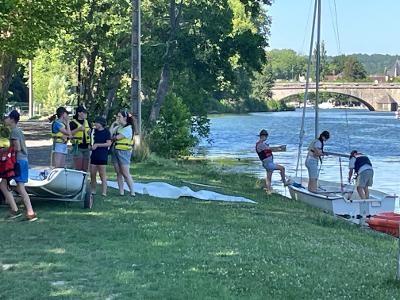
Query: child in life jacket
264, 152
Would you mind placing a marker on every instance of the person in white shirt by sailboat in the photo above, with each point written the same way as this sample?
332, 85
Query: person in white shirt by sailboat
314, 157
362, 167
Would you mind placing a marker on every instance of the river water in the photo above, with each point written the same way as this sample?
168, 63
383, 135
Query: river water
373, 133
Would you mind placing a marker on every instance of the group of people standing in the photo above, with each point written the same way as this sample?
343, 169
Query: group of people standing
359, 164
92, 146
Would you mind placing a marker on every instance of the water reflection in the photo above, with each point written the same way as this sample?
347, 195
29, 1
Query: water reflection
373, 133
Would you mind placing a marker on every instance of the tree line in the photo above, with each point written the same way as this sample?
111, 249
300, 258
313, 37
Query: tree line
195, 55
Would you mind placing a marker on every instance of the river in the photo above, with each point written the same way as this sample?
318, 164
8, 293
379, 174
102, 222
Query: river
373, 133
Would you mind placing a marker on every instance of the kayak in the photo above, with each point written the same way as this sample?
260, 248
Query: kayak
385, 222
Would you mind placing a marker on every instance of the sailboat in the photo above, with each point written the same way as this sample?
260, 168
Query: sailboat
338, 198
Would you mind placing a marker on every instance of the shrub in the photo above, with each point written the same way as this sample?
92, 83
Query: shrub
176, 132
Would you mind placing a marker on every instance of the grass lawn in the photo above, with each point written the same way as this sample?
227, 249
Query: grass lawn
152, 248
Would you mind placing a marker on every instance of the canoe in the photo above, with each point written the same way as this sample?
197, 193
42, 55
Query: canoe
385, 222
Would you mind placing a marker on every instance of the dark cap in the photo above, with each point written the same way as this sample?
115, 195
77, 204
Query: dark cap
325, 134
263, 132
61, 110
352, 153
100, 120
13, 115
80, 108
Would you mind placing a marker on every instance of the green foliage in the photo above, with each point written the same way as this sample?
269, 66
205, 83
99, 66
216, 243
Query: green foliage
174, 134
53, 80
25, 23
353, 70
286, 64
376, 63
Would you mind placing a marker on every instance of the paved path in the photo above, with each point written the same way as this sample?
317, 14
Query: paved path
38, 141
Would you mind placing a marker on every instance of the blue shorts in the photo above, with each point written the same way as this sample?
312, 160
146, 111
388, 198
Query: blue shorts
122, 157
23, 171
312, 167
269, 165
60, 148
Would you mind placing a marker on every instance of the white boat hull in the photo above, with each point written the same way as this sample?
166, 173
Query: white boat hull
331, 197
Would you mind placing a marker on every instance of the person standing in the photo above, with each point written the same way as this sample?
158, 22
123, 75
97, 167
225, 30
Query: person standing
17, 142
264, 152
101, 141
314, 157
362, 167
80, 130
121, 150
60, 133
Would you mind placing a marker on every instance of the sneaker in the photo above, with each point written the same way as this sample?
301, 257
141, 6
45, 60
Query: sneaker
133, 194
13, 214
31, 218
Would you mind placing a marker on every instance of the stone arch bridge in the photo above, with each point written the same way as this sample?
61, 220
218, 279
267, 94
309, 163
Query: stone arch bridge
376, 96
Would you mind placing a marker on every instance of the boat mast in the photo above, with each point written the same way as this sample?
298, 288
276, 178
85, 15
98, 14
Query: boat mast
308, 75
317, 70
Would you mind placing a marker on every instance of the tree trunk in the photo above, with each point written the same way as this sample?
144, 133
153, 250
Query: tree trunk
163, 84
162, 91
7, 68
116, 79
88, 89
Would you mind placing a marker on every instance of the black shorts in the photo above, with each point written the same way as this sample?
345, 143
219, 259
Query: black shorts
98, 162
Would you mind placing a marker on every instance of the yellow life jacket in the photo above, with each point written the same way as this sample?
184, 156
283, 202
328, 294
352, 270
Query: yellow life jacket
124, 144
57, 137
4, 142
78, 135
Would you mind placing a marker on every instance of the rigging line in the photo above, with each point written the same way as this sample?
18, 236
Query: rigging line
333, 26
305, 29
301, 135
337, 28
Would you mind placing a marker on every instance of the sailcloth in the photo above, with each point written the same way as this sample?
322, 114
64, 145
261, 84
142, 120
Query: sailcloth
168, 191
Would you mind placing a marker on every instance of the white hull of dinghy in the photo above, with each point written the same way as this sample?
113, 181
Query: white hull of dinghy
344, 201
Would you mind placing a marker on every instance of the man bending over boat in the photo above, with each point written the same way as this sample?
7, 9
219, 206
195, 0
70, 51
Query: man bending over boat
314, 156
264, 152
362, 167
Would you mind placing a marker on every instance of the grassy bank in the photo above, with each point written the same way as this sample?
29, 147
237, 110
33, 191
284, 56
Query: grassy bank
153, 248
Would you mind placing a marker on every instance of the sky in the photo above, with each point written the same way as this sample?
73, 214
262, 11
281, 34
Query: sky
364, 26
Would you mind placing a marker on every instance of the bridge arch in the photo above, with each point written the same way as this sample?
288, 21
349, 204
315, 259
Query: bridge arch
364, 102
376, 96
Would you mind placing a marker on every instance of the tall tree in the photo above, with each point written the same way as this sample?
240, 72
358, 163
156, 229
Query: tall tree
23, 25
353, 70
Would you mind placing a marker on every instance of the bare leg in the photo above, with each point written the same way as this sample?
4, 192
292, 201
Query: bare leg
120, 178
103, 177
59, 160
282, 171
8, 195
25, 197
128, 178
85, 164
312, 185
366, 192
268, 180
93, 183
360, 191
77, 162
